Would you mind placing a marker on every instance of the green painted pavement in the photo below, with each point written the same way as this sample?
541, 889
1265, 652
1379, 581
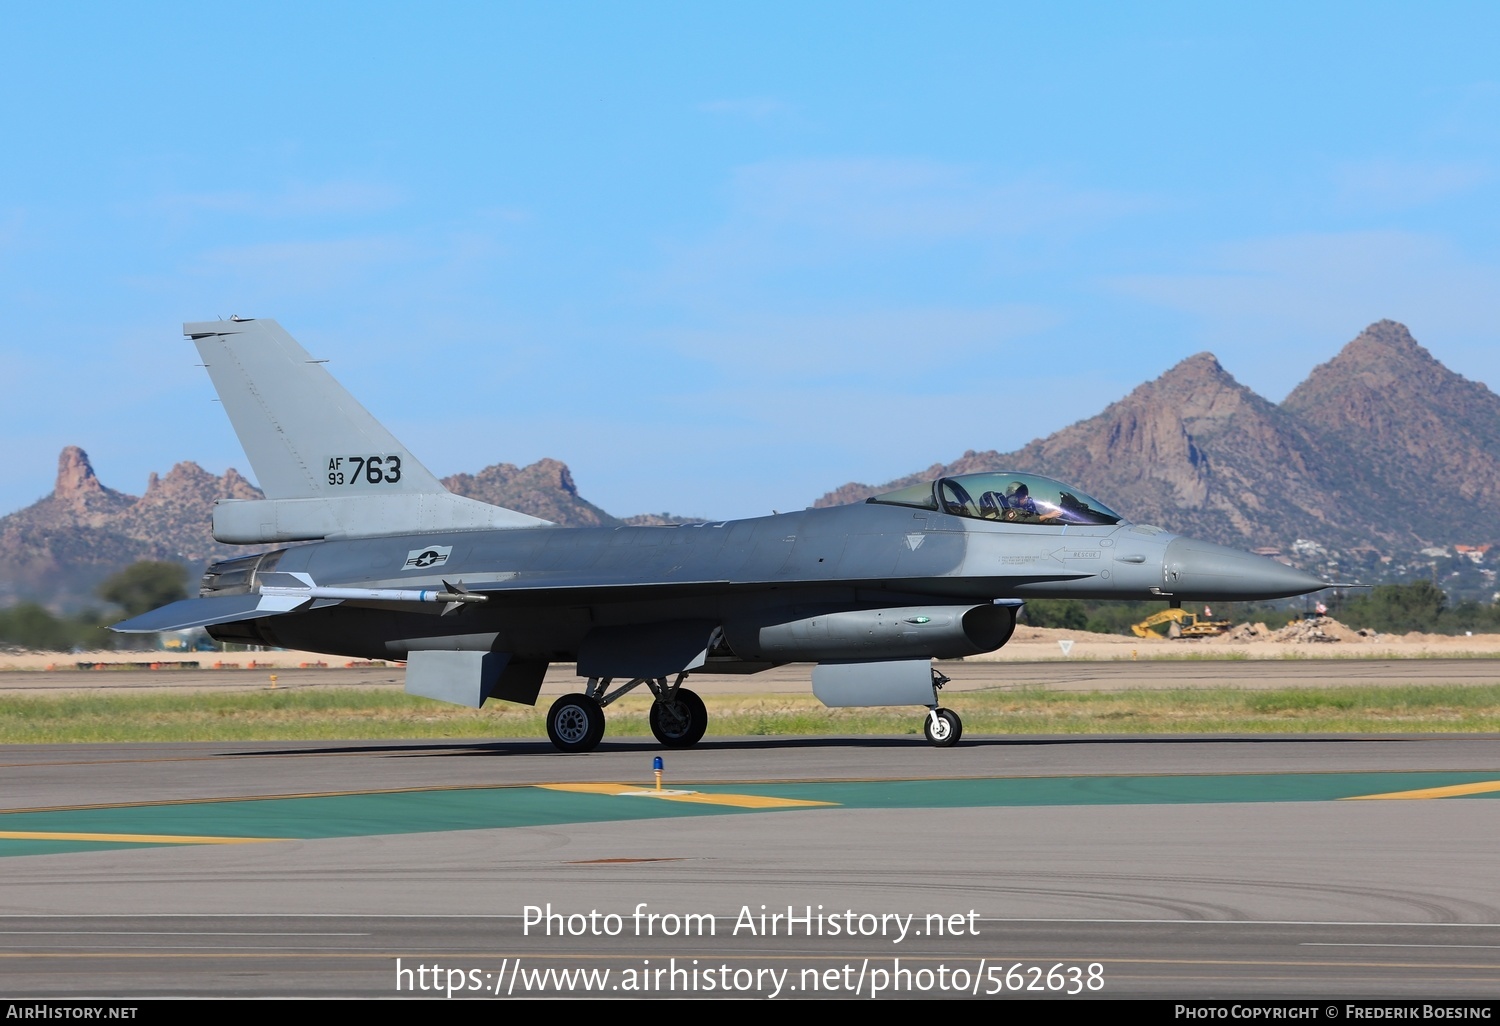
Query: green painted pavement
1143, 790
354, 815
358, 815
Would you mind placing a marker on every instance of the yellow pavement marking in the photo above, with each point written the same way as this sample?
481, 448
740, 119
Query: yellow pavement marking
62, 835
740, 801
1451, 791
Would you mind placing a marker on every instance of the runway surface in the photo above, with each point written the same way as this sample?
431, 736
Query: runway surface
1186, 867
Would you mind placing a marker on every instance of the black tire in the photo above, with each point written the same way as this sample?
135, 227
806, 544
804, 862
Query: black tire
679, 723
950, 729
575, 723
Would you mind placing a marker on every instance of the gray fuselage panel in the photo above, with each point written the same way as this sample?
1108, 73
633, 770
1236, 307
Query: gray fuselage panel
548, 587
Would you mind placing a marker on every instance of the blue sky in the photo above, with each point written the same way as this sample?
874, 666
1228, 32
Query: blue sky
720, 258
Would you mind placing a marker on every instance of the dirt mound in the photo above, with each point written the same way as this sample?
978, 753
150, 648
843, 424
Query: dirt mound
1322, 630
1242, 633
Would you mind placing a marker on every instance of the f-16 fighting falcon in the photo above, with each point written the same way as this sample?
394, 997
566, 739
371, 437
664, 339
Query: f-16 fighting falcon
478, 599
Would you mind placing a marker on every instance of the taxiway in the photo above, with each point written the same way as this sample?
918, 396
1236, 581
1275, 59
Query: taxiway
1182, 867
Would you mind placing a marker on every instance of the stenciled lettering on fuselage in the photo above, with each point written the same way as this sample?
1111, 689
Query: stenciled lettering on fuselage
431, 556
348, 471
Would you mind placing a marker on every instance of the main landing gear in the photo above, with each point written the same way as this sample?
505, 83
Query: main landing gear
679, 722
575, 723
942, 726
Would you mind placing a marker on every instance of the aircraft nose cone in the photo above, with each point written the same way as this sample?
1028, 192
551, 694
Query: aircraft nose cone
1202, 570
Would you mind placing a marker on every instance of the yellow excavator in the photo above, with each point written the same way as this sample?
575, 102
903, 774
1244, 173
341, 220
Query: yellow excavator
1180, 624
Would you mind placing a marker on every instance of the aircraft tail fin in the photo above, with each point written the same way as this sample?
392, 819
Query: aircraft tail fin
306, 436
328, 468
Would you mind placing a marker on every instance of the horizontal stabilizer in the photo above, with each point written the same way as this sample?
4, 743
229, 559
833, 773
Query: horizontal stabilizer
204, 612
262, 521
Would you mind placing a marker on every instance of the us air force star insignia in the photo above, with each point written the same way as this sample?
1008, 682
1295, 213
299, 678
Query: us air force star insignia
914, 541
432, 555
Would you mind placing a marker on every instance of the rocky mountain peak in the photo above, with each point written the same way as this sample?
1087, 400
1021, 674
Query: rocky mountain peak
1198, 368
556, 473
59, 548
188, 482
1382, 357
234, 485
1410, 427
1384, 374
75, 475
78, 488
1197, 388
1148, 436
1389, 339
544, 489
1341, 459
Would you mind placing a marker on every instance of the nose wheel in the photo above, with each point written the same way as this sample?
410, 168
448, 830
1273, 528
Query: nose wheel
943, 728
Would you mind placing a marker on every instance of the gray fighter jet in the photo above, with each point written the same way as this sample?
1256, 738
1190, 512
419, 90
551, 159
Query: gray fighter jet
478, 599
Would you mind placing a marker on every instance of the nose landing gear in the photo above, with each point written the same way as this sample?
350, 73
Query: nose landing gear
942, 726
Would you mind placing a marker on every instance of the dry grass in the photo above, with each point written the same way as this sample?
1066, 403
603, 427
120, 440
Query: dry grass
339, 713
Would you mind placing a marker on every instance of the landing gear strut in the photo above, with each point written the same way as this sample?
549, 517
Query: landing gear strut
942, 726
678, 716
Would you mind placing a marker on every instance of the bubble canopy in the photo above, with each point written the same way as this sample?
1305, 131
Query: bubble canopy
1006, 497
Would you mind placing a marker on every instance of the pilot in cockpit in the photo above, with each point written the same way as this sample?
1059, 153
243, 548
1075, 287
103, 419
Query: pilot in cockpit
1018, 497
